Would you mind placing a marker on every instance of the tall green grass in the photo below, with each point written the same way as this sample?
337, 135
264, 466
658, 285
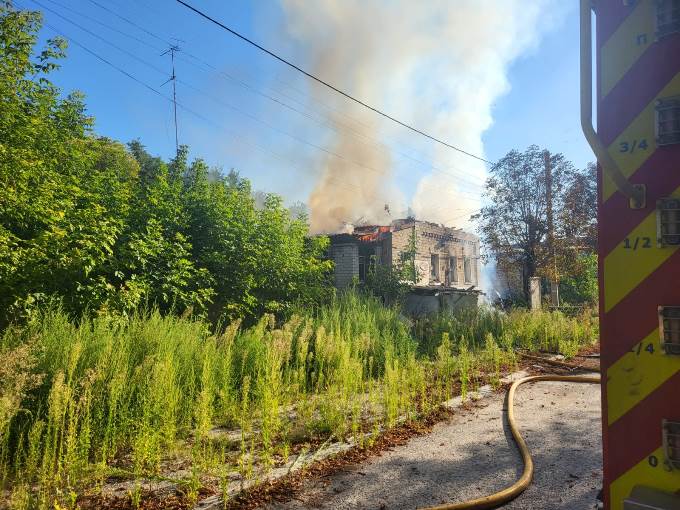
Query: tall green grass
83, 400
517, 329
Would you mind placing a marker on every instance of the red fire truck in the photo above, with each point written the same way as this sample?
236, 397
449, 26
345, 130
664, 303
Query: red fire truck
636, 45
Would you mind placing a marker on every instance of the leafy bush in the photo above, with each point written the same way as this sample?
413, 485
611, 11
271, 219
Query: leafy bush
75, 396
386, 283
110, 228
581, 288
517, 329
82, 400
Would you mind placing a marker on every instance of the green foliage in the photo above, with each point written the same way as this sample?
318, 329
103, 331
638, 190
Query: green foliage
110, 229
80, 401
577, 218
391, 283
488, 328
387, 283
581, 288
78, 395
407, 260
515, 225
261, 259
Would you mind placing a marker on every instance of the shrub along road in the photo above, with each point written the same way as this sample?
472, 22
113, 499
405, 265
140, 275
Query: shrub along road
472, 455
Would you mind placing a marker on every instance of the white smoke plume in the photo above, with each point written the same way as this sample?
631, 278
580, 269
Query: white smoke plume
438, 64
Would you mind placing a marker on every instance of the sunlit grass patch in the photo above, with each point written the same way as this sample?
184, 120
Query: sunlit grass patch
166, 398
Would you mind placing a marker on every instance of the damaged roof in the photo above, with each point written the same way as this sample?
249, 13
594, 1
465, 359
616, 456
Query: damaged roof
363, 233
371, 233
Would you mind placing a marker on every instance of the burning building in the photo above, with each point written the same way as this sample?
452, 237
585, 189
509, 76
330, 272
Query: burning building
446, 260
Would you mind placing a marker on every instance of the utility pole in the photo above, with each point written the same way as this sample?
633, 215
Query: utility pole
172, 49
554, 284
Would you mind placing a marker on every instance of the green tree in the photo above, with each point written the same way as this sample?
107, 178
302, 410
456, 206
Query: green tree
577, 238
577, 215
580, 286
260, 258
514, 224
577, 222
55, 225
111, 228
387, 283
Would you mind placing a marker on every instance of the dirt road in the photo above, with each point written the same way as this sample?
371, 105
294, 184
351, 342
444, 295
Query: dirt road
472, 455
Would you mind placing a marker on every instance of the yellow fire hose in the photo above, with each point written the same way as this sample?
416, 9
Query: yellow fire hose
636, 194
510, 493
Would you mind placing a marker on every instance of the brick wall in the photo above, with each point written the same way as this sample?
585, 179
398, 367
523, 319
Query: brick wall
346, 259
446, 243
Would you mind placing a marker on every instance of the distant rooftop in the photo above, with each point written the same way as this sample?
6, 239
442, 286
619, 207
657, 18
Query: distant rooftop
367, 233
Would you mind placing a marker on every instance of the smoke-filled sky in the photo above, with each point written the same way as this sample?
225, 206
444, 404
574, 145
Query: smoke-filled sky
442, 66
484, 75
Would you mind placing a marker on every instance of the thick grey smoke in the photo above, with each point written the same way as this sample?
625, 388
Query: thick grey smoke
440, 64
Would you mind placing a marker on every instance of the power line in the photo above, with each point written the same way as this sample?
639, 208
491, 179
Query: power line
289, 135
282, 82
189, 110
105, 25
111, 11
126, 73
470, 214
175, 103
325, 83
389, 150
217, 100
330, 125
108, 62
103, 39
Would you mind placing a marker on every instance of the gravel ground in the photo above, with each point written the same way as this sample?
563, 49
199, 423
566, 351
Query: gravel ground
473, 455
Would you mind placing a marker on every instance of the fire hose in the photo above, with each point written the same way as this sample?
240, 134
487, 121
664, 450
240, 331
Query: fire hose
636, 194
511, 492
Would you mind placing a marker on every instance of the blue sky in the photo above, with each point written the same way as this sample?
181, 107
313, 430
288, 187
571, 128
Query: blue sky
543, 106
237, 125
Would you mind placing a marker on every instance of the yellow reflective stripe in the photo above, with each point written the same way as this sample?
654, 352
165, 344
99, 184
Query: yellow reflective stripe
637, 374
638, 141
643, 473
633, 260
626, 45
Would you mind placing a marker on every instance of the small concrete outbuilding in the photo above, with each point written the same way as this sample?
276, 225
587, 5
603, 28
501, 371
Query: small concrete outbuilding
446, 261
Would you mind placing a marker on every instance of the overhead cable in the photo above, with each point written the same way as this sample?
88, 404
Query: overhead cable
327, 84
264, 94
220, 101
185, 108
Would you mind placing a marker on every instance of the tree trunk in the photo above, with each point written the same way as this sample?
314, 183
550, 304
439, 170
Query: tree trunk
529, 270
